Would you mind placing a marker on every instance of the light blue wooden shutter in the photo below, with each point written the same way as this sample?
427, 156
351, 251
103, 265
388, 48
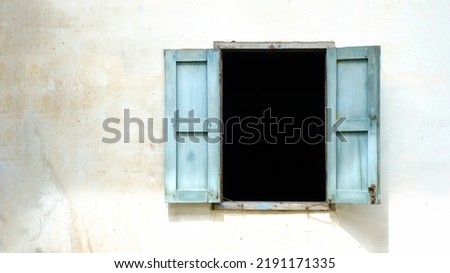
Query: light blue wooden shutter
353, 84
193, 167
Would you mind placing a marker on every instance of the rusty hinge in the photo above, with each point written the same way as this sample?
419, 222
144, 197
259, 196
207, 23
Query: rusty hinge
373, 194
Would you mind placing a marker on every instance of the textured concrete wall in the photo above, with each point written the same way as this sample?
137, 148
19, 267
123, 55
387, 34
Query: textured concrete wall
65, 66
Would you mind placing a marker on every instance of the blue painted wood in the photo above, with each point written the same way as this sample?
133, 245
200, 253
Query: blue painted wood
197, 127
192, 162
171, 147
373, 87
214, 111
352, 53
352, 164
354, 125
191, 55
352, 88
353, 93
331, 104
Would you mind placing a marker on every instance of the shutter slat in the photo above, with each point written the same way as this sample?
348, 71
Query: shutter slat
354, 125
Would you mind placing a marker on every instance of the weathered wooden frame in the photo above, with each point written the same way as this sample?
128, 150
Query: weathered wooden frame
272, 206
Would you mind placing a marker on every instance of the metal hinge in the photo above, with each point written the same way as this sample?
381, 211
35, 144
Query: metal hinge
373, 194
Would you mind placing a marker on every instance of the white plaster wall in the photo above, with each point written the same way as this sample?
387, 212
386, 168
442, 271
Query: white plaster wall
65, 66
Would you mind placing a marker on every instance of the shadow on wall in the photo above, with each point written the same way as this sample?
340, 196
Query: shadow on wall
367, 224
193, 212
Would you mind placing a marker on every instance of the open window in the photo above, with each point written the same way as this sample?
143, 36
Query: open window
273, 125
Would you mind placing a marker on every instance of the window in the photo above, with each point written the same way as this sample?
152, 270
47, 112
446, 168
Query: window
273, 94
258, 99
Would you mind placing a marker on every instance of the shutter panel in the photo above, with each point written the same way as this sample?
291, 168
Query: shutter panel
192, 151
353, 84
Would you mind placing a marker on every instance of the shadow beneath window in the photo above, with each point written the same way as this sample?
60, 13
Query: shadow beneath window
367, 224
193, 212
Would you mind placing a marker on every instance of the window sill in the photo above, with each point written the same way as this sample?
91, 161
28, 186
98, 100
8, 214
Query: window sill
280, 206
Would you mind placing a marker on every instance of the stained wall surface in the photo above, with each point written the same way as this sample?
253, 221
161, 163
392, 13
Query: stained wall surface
66, 66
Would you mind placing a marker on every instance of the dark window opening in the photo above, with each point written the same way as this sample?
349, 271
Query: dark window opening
260, 87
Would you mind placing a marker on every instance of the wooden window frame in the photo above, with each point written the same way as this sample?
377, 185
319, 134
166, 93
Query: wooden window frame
262, 205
